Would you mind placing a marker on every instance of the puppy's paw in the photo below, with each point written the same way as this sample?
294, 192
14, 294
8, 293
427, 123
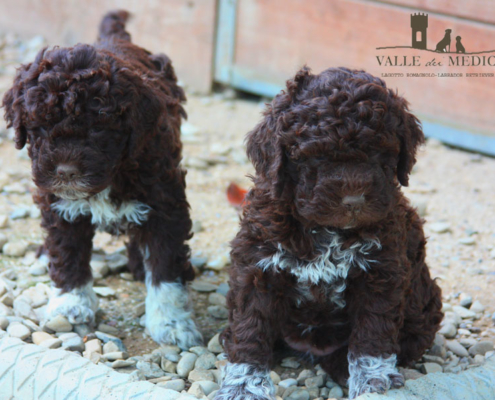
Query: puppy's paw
182, 333
168, 318
79, 305
373, 375
245, 382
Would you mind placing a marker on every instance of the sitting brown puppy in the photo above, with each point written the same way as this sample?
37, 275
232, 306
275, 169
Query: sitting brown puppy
330, 258
103, 127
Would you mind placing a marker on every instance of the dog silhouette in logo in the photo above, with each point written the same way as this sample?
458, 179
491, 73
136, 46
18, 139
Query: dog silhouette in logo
458, 46
444, 43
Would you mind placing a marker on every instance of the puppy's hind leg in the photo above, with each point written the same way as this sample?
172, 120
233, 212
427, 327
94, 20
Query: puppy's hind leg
136, 262
68, 245
167, 269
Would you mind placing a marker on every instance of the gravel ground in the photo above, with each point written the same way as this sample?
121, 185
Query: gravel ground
452, 189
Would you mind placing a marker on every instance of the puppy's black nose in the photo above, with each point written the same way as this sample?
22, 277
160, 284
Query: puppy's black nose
353, 201
67, 172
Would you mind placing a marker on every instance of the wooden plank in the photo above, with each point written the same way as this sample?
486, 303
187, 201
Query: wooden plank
476, 10
225, 40
183, 29
276, 37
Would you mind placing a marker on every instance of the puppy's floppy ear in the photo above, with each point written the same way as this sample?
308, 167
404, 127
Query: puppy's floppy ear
265, 143
15, 108
411, 136
265, 151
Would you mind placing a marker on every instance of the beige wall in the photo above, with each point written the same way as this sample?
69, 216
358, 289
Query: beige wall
183, 29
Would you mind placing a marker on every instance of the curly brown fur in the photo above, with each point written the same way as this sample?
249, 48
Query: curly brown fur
330, 256
102, 123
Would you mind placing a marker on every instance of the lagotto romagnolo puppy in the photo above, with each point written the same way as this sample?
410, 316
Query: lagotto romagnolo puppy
102, 123
330, 256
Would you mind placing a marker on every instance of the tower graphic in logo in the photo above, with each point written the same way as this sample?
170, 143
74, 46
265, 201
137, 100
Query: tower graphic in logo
419, 26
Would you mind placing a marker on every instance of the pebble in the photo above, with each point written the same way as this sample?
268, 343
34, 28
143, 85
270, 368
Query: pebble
99, 268
58, 324
465, 300
457, 348
4, 222
196, 390
336, 392
150, 369
116, 262
15, 249
481, 348
111, 330
168, 366
467, 342
54, 343
176, 384
140, 309
303, 375
19, 213
219, 263
201, 286
73, 344
477, 307
105, 338
110, 347
198, 262
223, 288
468, 241
275, 377
104, 291
219, 312
299, 394
286, 383
5, 311
290, 362
464, 312
317, 381
4, 323
208, 386
430, 368
93, 346
439, 227
123, 363
3, 239
186, 364
18, 330
82, 329
38, 268
411, 374
200, 375
217, 299
205, 361
116, 355
214, 344
40, 337
23, 309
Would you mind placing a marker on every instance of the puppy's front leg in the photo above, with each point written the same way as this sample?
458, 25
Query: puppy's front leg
167, 269
373, 345
69, 247
249, 342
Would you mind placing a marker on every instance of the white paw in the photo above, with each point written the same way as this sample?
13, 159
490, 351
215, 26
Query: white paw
245, 382
79, 305
168, 318
373, 375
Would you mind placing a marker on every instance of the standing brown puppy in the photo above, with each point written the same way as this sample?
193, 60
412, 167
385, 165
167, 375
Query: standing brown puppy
330, 258
102, 124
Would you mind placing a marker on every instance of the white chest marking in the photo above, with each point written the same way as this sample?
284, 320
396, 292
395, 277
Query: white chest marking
330, 267
103, 212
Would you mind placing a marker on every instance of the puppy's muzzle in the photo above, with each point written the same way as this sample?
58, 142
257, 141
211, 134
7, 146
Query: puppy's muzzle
68, 172
353, 203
